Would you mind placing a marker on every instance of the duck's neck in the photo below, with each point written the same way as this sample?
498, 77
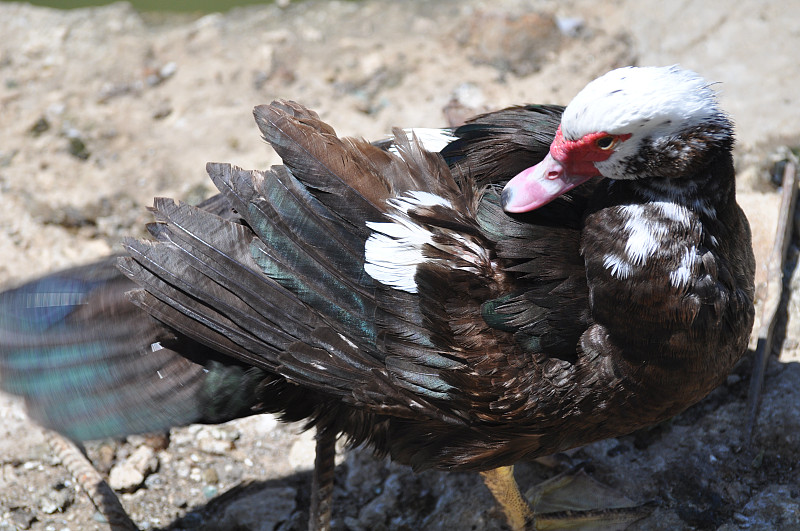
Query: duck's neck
660, 263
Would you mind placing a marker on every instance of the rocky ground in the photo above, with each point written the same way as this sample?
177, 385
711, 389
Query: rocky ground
101, 109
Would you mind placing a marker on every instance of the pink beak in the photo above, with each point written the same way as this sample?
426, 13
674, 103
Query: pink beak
538, 185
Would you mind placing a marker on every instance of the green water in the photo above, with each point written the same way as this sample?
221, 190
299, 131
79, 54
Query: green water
182, 6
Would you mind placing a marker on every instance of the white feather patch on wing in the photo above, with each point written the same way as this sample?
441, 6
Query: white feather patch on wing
394, 250
433, 140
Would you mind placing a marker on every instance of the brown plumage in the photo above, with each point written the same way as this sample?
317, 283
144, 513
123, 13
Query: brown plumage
388, 296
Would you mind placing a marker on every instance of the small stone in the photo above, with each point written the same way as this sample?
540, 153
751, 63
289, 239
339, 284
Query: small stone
30, 465
210, 475
154, 481
130, 474
774, 508
257, 426
40, 126
125, 479
168, 70
570, 26
185, 436
22, 518
77, 148
215, 446
103, 456
56, 501
179, 501
162, 111
144, 459
162, 74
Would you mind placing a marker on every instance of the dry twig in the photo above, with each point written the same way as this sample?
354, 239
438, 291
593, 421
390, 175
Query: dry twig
774, 292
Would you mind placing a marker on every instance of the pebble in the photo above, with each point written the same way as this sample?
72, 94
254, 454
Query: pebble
129, 475
56, 500
214, 446
185, 436
154, 481
210, 475
22, 519
570, 26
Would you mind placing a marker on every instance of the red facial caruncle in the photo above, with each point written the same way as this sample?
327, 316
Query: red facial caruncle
569, 163
579, 156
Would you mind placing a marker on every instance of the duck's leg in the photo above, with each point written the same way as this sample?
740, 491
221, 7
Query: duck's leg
100, 493
319, 518
503, 486
568, 501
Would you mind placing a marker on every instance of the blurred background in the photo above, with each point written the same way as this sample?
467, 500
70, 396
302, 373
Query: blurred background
176, 6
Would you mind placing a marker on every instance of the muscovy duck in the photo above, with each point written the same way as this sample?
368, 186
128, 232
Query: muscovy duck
551, 279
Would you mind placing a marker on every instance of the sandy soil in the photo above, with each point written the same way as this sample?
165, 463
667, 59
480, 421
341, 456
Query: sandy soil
102, 109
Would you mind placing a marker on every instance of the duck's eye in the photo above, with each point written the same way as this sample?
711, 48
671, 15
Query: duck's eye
606, 142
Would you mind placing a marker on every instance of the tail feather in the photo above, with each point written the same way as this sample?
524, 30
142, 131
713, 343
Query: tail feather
212, 248
345, 180
80, 354
267, 280
189, 291
301, 250
325, 273
174, 284
278, 199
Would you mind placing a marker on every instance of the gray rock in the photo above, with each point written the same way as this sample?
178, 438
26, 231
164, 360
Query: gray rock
22, 519
376, 513
775, 507
262, 510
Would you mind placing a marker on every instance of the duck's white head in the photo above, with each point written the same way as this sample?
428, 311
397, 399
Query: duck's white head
631, 123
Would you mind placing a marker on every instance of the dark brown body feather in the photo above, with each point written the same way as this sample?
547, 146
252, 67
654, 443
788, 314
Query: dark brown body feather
518, 342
